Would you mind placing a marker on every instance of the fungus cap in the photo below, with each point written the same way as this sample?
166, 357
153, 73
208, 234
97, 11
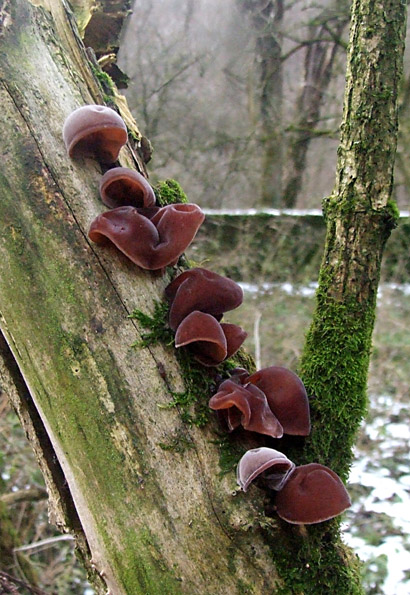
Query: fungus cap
203, 333
151, 243
204, 290
286, 396
312, 494
273, 465
246, 406
95, 131
235, 336
123, 186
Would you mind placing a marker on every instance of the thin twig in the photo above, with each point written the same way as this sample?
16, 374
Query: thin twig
30, 495
16, 581
43, 543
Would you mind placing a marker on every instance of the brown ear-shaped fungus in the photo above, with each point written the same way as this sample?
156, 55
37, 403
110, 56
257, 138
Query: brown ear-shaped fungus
203, 333
287, 398
246, 406
95, 131
123, 186
239, 375
269, 466
235, 336
313, 493
210, 341
200, 289
150, 243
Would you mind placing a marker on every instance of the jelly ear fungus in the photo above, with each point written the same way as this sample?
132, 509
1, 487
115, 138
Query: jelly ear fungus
151, 243
303, 495
122, 186
95, 131
287, 398
198, 299
203, 290
264, 464
246, 406
312, 494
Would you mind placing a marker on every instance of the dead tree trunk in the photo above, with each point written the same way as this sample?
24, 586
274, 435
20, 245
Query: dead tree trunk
147, 520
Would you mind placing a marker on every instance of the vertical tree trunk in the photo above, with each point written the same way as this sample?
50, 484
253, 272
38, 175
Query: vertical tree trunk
138, 487
266, 17
360, 216
319, 63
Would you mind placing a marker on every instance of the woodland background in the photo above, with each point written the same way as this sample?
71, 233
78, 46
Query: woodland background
242, 102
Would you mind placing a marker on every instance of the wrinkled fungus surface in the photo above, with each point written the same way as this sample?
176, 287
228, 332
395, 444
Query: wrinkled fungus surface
205, 336
246, 406
210, 341
151, 243
312, 494
203, 290
286, 396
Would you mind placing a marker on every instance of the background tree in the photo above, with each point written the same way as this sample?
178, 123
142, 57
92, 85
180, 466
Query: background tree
325, 39
280, 68
267, 23
147, 519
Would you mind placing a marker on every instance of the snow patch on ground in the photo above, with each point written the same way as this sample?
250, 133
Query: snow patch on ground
379, 520
274, 212
309, 290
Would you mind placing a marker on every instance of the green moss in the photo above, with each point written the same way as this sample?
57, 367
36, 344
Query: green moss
393, 212
230, 451
146, 573
170, 192
244, 588
192, 403
199, 380
334, 369
178, 443
311, 560
106, 82
135, 137
156, 324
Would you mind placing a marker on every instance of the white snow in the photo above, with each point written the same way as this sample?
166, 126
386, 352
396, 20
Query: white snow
387, 495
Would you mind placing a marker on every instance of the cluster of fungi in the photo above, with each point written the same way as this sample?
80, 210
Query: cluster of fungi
273, 401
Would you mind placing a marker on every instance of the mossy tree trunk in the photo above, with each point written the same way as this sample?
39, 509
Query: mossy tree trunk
360, 216
149, 519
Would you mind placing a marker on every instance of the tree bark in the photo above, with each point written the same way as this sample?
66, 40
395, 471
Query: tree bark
147, 520
360, 216
266, 17
322, 48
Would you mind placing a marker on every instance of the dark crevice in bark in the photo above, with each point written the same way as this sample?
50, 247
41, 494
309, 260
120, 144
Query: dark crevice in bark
26, 402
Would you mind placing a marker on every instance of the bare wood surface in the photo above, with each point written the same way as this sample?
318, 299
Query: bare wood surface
154, 521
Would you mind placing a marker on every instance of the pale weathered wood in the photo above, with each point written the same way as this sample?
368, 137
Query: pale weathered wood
155, 521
